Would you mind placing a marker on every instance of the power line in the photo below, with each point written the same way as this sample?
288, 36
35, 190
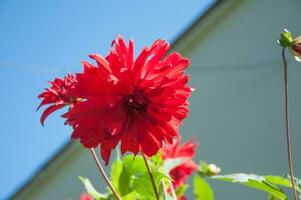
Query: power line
35, 69
226, 67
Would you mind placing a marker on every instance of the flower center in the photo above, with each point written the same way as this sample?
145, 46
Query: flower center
137, 101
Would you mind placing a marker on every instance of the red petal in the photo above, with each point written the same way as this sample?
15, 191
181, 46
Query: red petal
50, 110
139, 62
101, 61
129, 140
130, 55
150, 145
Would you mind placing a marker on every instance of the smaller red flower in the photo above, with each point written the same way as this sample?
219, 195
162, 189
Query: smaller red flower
85, 196
58, 95
182, 198
180, 173
295, 48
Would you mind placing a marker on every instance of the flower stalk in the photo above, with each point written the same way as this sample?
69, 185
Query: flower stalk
173, 192
151, 177
104, 175
288, 138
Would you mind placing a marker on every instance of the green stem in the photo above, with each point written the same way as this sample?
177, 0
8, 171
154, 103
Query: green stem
164, 187
173, 192
288, 138
151, 177
104, 175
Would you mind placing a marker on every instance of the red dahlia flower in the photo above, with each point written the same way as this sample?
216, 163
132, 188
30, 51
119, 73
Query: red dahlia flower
180, 173
58, 95
139, 102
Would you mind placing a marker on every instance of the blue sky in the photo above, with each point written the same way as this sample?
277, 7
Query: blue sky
44, 39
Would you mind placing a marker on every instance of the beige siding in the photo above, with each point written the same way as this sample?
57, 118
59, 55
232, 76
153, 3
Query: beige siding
236, 110
60, 181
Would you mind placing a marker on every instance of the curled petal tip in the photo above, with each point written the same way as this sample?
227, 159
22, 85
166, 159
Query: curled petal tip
113, 42
92, 55
42, 121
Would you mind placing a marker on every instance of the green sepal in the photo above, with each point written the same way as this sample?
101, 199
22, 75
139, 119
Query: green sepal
285, 38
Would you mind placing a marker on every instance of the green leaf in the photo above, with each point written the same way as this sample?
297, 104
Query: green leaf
254, 181
271, 197
202, 189
134, 164
143, 185
278, 180
123, 172
170, 164
91, 190
130, 196
130, 177
157, 159
181, 190
159, 176
124, 182
116, 170
282, 181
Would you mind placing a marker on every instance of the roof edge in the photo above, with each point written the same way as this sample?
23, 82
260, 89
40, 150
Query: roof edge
210, 8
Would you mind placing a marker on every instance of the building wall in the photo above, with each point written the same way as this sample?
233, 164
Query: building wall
59, 180
237, 108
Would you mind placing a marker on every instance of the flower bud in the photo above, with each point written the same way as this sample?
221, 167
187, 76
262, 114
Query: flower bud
207, 170
295, 48
285, 39
214, 169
